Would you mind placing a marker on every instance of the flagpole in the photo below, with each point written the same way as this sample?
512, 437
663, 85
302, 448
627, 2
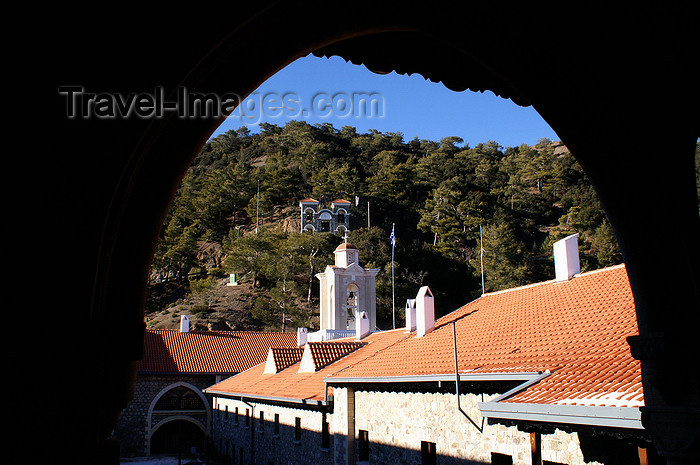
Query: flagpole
481, 259
393, 306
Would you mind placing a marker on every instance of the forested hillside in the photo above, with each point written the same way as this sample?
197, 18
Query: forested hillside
438, 194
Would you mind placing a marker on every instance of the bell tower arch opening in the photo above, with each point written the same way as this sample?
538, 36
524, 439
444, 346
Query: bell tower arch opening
352, 304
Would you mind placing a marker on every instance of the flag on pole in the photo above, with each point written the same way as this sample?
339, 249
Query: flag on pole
392, 238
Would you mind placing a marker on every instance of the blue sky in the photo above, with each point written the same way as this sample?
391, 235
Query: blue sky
409, 104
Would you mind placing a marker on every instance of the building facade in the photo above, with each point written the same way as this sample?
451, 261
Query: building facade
540, 374
169, 413
316, 216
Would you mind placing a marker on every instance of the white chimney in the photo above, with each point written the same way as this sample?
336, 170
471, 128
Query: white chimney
184, 324
566, 262
302, 336
410, 315
425, 311
362, 326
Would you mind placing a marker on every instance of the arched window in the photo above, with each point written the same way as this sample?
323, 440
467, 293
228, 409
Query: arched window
180, 398
351, 304
309, 215
341, 216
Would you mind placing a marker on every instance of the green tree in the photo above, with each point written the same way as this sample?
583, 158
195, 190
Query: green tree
605, 246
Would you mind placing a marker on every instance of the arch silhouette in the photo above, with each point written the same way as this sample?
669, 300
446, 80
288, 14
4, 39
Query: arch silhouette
622, 93
170, 420
152, 407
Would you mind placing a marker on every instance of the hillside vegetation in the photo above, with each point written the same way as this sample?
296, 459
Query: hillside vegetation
442, 196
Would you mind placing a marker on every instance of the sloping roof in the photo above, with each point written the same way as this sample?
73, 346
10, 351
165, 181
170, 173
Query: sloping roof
325, 353
575, 330
171, 351
292, 385
340, 201
283, 357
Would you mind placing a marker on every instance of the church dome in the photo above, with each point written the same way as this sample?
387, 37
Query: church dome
345, 246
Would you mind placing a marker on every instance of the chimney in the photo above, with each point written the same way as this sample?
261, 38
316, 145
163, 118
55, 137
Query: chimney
410, 315
302, 336
425, 311
184, 324
362, 326
566, 263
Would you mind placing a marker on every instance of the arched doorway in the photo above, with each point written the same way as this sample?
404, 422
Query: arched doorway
178, 436
178, 419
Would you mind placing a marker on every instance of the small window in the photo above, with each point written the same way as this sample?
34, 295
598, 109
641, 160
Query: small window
277, 424
235, 416
247, 418
226, 414
297, 429
501, 459
427, 452
261, 426
363, 437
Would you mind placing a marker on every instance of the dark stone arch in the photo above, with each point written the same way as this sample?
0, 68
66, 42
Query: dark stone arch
109, 183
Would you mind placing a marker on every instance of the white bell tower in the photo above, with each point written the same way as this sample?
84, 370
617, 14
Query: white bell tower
347, 290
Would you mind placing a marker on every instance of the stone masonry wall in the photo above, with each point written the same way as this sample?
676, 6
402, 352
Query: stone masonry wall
132, 430
397, 422
233, 436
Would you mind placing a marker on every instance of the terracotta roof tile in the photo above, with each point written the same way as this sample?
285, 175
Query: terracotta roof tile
575, 329
309, 386
170, 351
325, 353
286, 356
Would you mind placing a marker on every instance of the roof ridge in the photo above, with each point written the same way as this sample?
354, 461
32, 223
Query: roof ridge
218, 331
551, 281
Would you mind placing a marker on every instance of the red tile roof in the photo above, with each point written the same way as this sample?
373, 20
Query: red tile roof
170, 351
284, 357
308, 386
575, 329
325, 353
345, 246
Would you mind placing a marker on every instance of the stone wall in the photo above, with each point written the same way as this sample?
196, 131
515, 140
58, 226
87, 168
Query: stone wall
398, 422
134, 427
396, 425
235, 435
